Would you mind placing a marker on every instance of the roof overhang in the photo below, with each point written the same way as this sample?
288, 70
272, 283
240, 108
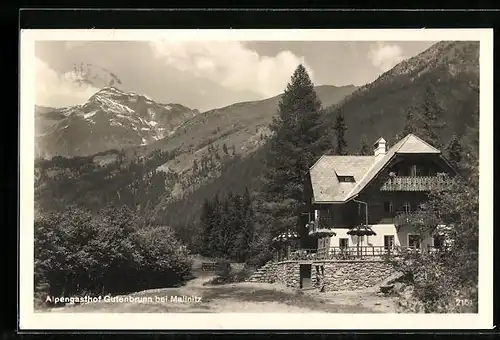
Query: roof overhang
335, 202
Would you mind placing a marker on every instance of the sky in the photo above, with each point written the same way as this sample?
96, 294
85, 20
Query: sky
208, 74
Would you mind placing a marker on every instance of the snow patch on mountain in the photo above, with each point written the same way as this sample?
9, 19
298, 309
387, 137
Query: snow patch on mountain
89, 114
133, 117
115, 123
113, 105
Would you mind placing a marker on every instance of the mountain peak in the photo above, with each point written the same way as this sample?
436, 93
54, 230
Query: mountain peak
113, 119
111, 90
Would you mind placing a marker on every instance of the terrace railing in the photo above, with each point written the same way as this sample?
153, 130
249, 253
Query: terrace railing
352, 253
414, 183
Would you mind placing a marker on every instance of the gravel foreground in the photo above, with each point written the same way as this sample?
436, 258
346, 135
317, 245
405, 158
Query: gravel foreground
245, 297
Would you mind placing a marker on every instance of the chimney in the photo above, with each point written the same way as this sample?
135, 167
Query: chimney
379, 150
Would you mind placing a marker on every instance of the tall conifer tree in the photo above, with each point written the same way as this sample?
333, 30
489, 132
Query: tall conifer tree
410, 126
340, 128
454, 152
298, 140
364, 149
428, 118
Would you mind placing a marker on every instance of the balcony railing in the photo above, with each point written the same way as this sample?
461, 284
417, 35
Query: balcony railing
351, 253
414, 183
423, 218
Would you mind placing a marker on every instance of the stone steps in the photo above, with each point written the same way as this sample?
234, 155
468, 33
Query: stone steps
260, 272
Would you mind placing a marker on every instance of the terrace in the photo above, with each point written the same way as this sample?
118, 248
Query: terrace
368, 253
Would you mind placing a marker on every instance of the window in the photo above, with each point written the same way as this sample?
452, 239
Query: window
418, 171
388, 241
343, 243
346, 179
414, 241
388, 207
437, 241
407, 207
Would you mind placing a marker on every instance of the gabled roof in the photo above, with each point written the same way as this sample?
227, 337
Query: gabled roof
326, 186
413, 144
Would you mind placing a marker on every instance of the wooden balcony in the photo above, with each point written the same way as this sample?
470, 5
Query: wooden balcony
414, 218
366, 253
415, 183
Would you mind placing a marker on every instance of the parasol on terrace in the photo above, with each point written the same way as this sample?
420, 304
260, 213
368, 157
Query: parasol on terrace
285, 238
360, 231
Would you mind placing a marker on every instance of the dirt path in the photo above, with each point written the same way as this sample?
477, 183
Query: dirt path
194, 297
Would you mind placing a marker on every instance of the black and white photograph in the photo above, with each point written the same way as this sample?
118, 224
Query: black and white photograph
330, 179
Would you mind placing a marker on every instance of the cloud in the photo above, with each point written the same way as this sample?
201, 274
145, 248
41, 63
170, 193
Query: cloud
386, 56
59, 90
231, 64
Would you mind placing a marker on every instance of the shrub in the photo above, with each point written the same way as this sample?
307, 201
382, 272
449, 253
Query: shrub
260, 250
62, 250
436, 281
441, 278
165, 259
77, 254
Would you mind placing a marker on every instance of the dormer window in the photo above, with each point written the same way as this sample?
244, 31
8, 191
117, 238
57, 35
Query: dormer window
346, 179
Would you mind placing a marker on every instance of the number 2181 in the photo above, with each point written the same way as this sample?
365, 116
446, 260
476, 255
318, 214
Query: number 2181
464, 302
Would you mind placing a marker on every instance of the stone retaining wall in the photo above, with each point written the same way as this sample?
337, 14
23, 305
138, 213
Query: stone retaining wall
337, 275
286, 273
355, 275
